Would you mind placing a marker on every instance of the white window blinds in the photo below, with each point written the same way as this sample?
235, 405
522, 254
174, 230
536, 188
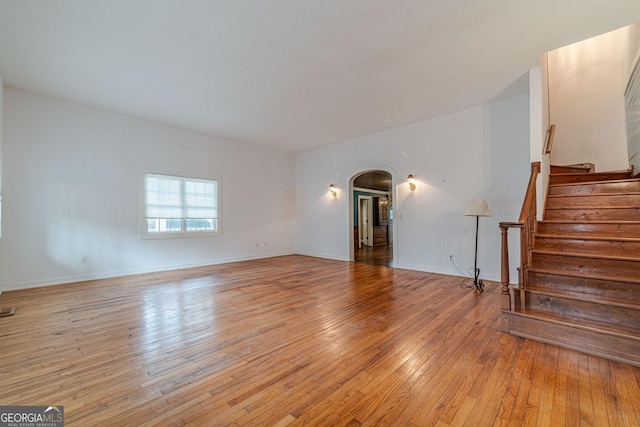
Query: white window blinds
163, 197
178, 206
201, 198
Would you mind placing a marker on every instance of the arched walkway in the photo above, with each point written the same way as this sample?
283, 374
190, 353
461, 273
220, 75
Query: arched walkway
372, 218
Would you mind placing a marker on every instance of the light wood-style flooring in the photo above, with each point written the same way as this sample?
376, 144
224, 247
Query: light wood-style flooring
295, 341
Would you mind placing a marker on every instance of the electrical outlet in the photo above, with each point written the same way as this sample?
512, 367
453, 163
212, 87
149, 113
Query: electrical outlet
85, 259
451, 257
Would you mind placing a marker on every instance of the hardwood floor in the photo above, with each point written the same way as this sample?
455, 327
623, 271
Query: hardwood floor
295, 341
375, 255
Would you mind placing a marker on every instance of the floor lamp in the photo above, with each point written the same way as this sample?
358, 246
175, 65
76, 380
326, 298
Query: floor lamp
478, 208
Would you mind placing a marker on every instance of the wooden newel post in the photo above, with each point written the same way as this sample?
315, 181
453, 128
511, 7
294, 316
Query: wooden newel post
505, 299
527, 225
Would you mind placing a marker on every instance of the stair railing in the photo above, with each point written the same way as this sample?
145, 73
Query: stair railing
527, 223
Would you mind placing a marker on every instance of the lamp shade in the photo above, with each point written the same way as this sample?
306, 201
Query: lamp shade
478, 207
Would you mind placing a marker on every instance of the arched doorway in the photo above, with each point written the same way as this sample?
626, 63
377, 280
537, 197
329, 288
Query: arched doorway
372, 195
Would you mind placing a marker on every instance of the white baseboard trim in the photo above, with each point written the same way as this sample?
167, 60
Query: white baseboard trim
324, 256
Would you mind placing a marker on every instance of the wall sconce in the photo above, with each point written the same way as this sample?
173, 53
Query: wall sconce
332, 190
412, 182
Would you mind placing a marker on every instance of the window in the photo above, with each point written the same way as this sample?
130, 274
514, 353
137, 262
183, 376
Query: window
176, 206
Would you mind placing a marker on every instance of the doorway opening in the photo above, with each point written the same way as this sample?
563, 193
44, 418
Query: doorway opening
372, 195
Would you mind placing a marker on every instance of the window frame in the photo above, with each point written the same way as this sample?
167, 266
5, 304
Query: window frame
143, 227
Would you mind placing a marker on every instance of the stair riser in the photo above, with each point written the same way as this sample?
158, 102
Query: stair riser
596, 188
590, 229
591, 342
587, 177
597, 200
595, 247
614, 214
621, 316
589, 287
610, 268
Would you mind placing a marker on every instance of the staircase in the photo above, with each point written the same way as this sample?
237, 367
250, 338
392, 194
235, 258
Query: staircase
580, 279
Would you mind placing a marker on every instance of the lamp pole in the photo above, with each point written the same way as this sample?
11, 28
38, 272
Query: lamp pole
476, 271
478, 208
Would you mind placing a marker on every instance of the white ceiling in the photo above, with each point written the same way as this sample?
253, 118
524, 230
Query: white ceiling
289, 74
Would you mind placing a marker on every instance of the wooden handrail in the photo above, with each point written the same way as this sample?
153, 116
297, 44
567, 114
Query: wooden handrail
527, 224
549, 142
530, 195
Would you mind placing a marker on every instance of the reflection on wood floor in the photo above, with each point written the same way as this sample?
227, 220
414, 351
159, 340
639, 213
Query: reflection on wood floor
374, 255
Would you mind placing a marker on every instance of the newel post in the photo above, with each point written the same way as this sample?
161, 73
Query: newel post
505, 299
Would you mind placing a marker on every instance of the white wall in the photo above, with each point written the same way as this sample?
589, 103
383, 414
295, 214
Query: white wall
1, 117
71, 190
587, 82
480, 152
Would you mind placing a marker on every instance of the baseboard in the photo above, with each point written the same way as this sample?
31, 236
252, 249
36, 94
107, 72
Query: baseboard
321, 255
446, 271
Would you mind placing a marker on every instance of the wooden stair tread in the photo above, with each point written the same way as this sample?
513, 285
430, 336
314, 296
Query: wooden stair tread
591, 325
595, 207
564, 196
589, 177
577, 184
620, 186
590, 226
596, 174
595, 221
588, 237
586, 255
587, 213
566, 273
580, 296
